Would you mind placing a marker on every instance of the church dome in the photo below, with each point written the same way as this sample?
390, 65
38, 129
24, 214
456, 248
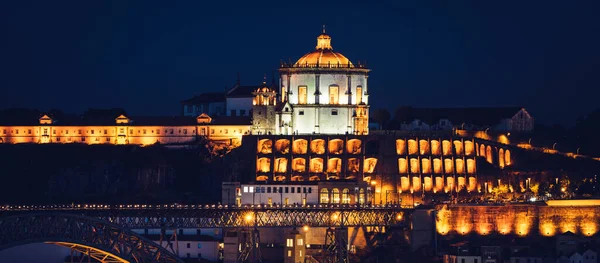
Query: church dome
324, 56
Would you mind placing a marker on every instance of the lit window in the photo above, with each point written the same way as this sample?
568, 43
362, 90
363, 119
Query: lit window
289, 253
302, 95
359, 94
144, 131
245, 189
105, 131
92, 131
334, 94
290, 242
251, 189
300, 242
300, 252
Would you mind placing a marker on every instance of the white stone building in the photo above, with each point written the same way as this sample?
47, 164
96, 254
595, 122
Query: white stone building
322, 93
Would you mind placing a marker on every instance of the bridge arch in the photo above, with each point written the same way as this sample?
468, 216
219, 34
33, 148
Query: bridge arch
96, 238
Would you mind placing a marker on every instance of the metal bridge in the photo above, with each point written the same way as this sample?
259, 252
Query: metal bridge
102, 231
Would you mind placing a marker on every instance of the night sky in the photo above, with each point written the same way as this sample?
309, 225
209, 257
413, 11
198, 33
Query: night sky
146, 56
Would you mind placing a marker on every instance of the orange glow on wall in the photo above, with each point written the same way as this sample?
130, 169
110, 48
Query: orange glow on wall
334, 165
400, 147
282, 146
317, 146
405, 183
462, 182
413, 147
265, 146
353, 165
435, 147
414, 166
471, 166
316, 165
416, 183
402, 166
503, 139
472, 184
446, 147
299, 165
450, 184
458, 147
488, 154
507, 160
437, 166
469, 148
424, 147
501, 158
336, 146
263, 165
482, 150
353, 146
448, 167
280, 165
300, 146
460, 166
426, 166
439, 184
370, 164
428, 182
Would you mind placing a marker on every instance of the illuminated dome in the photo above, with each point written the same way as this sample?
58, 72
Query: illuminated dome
323, 56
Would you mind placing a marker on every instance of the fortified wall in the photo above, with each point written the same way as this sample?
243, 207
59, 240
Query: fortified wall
576, 216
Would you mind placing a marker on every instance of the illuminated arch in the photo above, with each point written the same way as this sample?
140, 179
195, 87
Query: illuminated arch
297, 178
448, 167
460, 166
437, 166
414, 166
264, 146
471, 166
370, 164
324, 196
353, 165
469, 148
436, 147
300, 146
281, 165
482, 150
262, 178
346, 196
314, 178
361, 196
424, 147
488, 154
335, 196
402, 166
336, 146
279, 178
101, 240
282, 146
263, 165
316, 165
507, 160
501, 158
458, 147
405, 183
428, 182
317, 146
400, 147
413, 147
446, 147
299, 165
426, 166
353, 146
334, 165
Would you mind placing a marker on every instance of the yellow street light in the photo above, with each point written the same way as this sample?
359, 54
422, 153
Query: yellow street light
305, 228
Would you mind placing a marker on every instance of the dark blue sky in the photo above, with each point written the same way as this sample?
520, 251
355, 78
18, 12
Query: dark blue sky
146, 56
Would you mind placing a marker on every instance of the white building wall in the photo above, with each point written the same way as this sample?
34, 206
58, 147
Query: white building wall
250, 196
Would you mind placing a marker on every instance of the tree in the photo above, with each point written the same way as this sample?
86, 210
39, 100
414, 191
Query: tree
381, 117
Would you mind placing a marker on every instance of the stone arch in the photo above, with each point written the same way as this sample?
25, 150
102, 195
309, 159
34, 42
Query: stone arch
317, 146
405, 183
448, 166
501, 158
446, 147
264, 146
336, 146
426, 166
281, 165
316, 165
300, 146
262, 178
437, 166
424, 147
458, 147
402, 166
279, 178
471, 169
346, 196
297, 178
400, 147
370, 164
436, 147
353, 146
91, 236
428, 182
507, 158
414, 166
335, 196
314, 178
334, 165
263, 165
469, 148
299, 165
353, 165
488, 154
482, 150
413, 147
460, 166
282, 146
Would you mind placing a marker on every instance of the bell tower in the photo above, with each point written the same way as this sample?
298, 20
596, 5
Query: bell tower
263, 110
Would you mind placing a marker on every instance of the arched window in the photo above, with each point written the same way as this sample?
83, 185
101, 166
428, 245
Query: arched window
346, 196
324, 196
361, 196
334, 94
335, 196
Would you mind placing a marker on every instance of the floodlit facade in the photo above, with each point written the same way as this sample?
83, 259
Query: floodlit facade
322, 93
125, 130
